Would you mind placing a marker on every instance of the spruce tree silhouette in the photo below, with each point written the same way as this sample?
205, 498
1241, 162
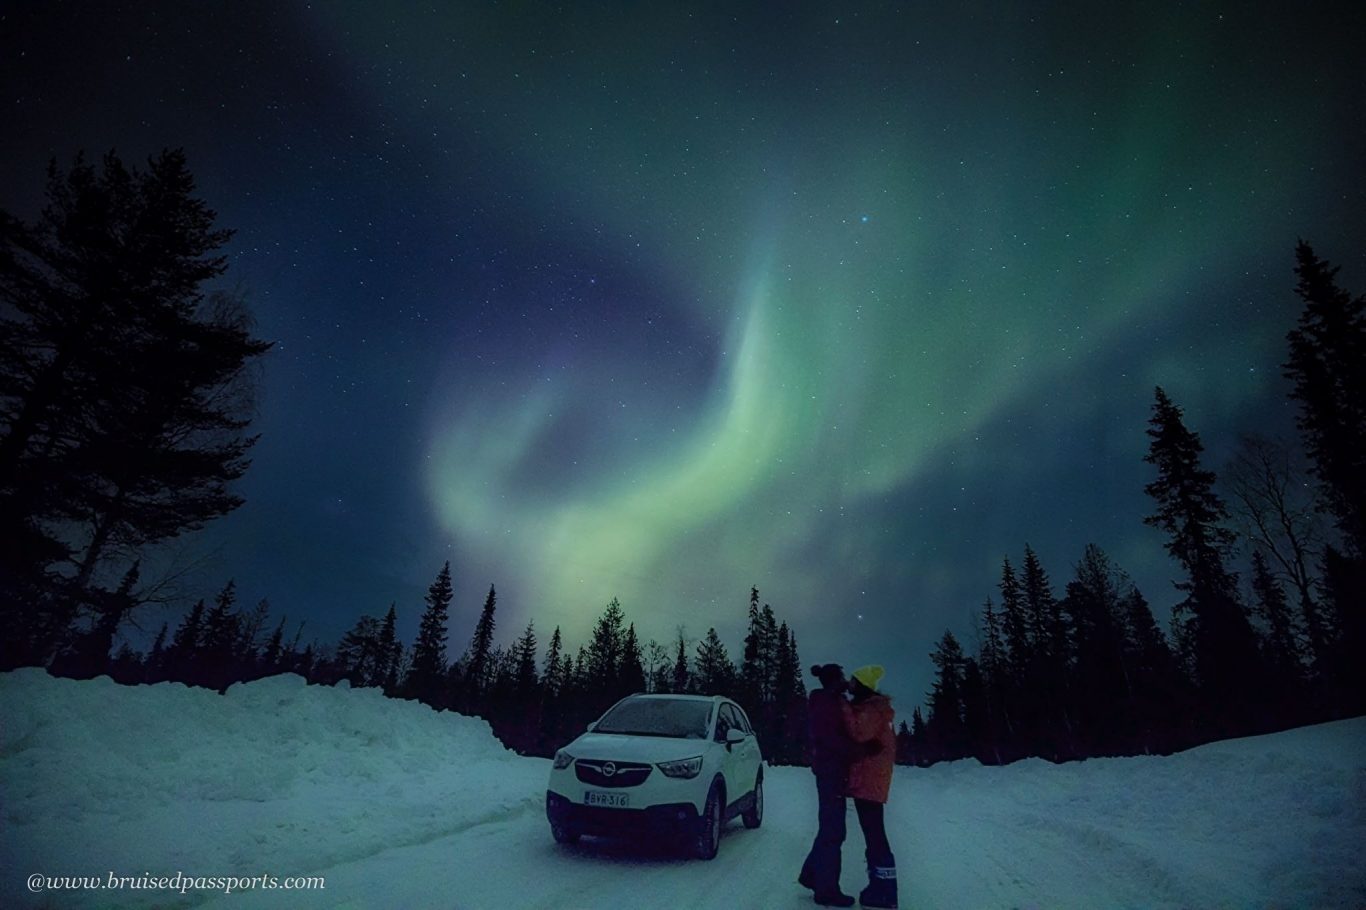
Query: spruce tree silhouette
1227, 663
125, 392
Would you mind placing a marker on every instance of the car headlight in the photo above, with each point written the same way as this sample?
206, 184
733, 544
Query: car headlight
684, 767
562, 760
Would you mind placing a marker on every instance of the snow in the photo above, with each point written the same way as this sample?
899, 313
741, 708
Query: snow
400, 806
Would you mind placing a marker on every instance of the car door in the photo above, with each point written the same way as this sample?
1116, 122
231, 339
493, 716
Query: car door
739, 778
725, 720
748, 756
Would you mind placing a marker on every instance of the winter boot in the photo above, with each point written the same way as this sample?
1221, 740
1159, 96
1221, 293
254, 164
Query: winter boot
881, 890
806, 878
834, 898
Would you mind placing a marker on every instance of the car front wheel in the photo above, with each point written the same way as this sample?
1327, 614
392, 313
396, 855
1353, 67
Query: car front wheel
564, 834
754, 816
708, 838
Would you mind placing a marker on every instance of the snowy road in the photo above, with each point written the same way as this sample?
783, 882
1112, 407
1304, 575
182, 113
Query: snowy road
1030, 836
397, 806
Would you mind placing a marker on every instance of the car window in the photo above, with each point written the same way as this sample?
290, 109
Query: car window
723, 723
738, 718
673, 717
731, 719
741, 719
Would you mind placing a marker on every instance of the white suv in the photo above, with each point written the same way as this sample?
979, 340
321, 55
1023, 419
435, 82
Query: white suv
669, 764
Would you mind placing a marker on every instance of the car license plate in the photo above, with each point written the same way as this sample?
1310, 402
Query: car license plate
599, 798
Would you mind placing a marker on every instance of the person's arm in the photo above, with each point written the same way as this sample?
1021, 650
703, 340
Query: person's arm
856, 723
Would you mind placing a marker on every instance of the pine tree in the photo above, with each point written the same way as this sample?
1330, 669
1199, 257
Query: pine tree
785, 733
995, 684
905, 744
658, 669
220, 634
582, 675
1015, 622
156, 658
1101, 682
752, 669
1040, 605
1327, 364
1344, 581
272, 656
715, 672
1282, 635
632, 669
605, 651
184, 651
918, 739
388, 653
123, 392
1156, 683
525, 655
993, 659
358, 653
88, 655
768, 655
426, 675
127, 666
1192, 514
552, 694
682, 679
978, 738
945, 728
249, 627
478, 660
552, 668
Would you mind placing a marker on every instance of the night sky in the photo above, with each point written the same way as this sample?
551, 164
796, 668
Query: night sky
662, 302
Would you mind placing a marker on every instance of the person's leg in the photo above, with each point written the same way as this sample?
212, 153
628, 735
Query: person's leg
881, 890
821, 871
877, 851
831, 836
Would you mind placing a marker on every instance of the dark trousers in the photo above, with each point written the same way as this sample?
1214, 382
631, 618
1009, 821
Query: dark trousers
876, 849
821, 871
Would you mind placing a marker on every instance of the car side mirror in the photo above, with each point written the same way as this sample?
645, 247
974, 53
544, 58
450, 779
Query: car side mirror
734, 736
592, 726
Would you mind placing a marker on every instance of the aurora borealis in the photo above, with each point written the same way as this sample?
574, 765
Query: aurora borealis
660, 302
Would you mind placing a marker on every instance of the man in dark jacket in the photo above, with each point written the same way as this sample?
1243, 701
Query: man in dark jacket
832, 750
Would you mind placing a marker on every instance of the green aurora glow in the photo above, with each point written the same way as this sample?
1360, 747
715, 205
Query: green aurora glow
916, 244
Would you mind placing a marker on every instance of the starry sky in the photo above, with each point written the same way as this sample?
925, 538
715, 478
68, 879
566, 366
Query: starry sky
662, 301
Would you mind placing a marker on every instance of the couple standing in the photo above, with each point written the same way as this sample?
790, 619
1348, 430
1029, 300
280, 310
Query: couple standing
853, 748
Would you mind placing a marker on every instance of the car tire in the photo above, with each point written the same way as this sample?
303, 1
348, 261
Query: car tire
754, 816
564, 834
708, 838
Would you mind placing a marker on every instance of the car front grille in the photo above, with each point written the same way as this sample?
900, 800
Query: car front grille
611, 773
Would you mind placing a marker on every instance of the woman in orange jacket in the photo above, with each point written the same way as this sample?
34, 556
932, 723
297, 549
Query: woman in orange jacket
868, 718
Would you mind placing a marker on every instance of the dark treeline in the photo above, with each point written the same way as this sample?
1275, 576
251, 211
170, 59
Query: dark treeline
125, 399
534, 699
1089, 672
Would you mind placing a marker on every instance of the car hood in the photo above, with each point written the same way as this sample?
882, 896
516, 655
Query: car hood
649, 749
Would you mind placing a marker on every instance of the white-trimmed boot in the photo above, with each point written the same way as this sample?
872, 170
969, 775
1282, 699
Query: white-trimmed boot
881, 890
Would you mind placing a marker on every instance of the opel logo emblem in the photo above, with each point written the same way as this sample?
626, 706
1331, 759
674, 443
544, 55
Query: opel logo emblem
609, 769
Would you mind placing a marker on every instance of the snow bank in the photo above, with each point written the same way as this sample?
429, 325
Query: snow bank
1272, 821
273, 777
400, 806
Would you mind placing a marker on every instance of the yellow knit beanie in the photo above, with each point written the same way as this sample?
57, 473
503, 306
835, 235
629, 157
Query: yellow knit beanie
869, 675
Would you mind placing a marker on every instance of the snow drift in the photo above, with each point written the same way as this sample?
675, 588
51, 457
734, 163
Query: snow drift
397, 805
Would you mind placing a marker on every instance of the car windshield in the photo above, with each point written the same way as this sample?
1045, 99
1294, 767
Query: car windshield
658, 717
